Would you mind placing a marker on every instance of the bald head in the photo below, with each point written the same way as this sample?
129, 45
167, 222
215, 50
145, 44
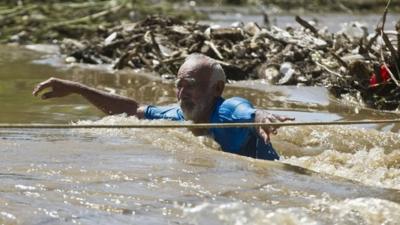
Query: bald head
205, 67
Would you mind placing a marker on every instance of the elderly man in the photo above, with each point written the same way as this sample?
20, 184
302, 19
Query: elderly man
200, 83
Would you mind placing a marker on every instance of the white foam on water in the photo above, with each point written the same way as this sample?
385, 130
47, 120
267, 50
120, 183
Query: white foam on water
174, 140
237, 213
368, 156
371, 167
340, 138
366, 211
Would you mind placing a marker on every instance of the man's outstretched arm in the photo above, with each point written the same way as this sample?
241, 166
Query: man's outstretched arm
106, 102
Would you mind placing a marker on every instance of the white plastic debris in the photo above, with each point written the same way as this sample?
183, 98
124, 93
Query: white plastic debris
287, 72
110, 38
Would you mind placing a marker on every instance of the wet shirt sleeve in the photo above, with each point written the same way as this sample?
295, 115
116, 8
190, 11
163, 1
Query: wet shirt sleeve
172, 112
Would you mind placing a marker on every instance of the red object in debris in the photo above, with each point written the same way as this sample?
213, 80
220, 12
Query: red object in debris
384, 73
372, 80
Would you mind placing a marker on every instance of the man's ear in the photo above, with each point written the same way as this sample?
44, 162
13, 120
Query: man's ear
219, 87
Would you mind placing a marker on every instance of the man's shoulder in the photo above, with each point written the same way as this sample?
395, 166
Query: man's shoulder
234, 101
235, 108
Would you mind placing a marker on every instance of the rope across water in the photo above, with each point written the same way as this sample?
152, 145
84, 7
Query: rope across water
187, 125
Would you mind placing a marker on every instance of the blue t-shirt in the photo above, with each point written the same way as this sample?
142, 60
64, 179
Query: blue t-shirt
243, 141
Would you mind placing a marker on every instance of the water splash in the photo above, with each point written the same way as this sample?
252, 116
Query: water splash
365, 155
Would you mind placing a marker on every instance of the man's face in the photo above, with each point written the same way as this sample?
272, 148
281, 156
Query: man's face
194, 92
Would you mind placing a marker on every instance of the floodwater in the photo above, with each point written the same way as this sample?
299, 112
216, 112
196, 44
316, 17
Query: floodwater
327, 175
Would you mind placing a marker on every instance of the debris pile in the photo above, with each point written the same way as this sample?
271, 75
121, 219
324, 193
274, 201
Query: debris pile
351, 62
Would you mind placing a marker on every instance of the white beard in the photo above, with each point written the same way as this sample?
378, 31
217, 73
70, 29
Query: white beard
195, 113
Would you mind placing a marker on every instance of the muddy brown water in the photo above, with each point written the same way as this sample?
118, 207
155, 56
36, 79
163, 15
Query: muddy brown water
328, 174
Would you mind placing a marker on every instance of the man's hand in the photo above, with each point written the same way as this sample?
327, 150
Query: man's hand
60, 88
263, 116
